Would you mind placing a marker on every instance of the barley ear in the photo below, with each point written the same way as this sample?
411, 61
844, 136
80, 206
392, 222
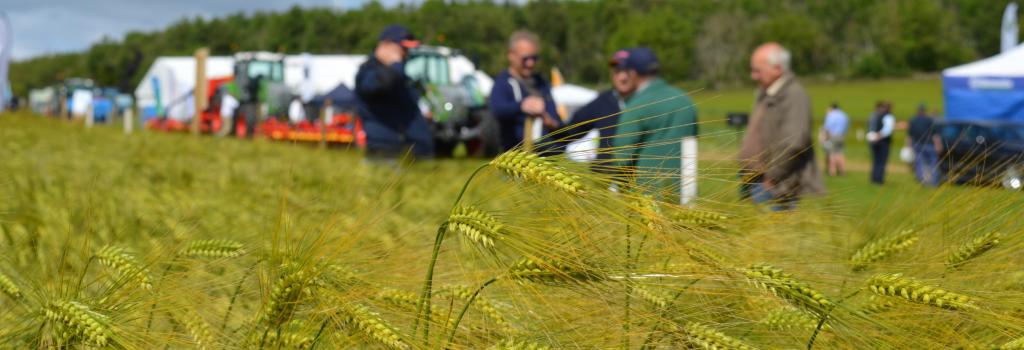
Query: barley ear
533, 168
123, 262
78, 321
707, 338
1016, 344
881, 248
475, 225
895, 285
212, 249
972, 249
653, 297
511, 344
789, 318
8, 287
197, 328
784, 286
551, 272
372, 326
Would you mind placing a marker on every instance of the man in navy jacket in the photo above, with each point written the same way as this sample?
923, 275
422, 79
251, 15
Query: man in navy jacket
519, 92
601, 114
390, 111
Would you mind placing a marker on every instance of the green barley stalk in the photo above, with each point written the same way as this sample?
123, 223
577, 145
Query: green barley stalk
895, 285
707, 338
9, 287
480, 303
972, 249
80, 322
212, 249
118, 259
527, 270
784, 286
881, 248
423, 310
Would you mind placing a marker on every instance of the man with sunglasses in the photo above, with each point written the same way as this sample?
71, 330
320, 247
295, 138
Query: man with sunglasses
520, 94
390, 111
656, 134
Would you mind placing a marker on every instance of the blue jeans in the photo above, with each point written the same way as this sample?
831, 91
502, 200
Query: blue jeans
926, 161
387, 141
761, 195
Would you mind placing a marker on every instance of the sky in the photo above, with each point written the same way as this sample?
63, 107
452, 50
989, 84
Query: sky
53, 26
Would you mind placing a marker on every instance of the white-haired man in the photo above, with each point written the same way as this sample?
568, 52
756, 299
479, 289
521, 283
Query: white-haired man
777, 155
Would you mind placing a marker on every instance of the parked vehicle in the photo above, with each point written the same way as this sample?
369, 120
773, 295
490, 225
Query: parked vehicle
986, 153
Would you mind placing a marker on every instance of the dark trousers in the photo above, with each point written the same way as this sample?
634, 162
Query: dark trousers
387, 141
879, 157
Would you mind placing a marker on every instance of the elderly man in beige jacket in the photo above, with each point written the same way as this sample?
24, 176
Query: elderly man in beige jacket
777, 155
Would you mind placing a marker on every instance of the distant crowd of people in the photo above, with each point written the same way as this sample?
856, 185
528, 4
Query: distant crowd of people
645, 123
923, 143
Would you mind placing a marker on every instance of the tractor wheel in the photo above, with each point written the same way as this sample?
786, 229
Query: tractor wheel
490, 133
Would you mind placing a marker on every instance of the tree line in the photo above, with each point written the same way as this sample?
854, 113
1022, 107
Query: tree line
705, 42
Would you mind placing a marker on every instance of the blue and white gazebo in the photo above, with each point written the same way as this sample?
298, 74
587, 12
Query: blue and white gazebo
990, 89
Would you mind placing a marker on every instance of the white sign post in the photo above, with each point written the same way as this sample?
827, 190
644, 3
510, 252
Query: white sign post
688, 170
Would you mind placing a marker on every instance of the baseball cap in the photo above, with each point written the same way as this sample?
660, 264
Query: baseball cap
400, 35
640, 59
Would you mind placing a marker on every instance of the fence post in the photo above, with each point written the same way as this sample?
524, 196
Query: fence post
127, 119
90, 116
199, 92
327, 112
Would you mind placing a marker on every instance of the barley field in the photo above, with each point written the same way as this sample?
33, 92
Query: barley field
150, 241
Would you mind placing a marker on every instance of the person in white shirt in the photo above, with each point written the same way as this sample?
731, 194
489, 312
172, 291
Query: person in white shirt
228, 106
880, 128
296, 111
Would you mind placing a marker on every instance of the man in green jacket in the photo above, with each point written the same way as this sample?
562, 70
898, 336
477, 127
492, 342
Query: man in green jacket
657, 129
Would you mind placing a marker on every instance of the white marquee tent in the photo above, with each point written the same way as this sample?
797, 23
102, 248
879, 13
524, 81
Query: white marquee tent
170, 80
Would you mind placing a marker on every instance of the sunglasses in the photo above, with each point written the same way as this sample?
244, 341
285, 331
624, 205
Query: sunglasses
530, 58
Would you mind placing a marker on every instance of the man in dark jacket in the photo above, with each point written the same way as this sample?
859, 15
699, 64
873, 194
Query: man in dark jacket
881, 125
601, 114
927, 144
520, 94
390, 111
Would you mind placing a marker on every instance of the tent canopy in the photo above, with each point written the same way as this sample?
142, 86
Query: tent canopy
170, 80
341, 97
989, 89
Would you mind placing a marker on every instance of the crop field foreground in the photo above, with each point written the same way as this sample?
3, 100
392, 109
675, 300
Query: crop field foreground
151, 241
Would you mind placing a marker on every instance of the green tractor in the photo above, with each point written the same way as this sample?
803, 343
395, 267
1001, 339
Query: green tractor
258, 85
454, 98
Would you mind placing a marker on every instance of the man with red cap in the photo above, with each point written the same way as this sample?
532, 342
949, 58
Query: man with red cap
390, 110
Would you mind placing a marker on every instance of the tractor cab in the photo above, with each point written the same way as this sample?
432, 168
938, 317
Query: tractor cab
453, 96
263, 68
